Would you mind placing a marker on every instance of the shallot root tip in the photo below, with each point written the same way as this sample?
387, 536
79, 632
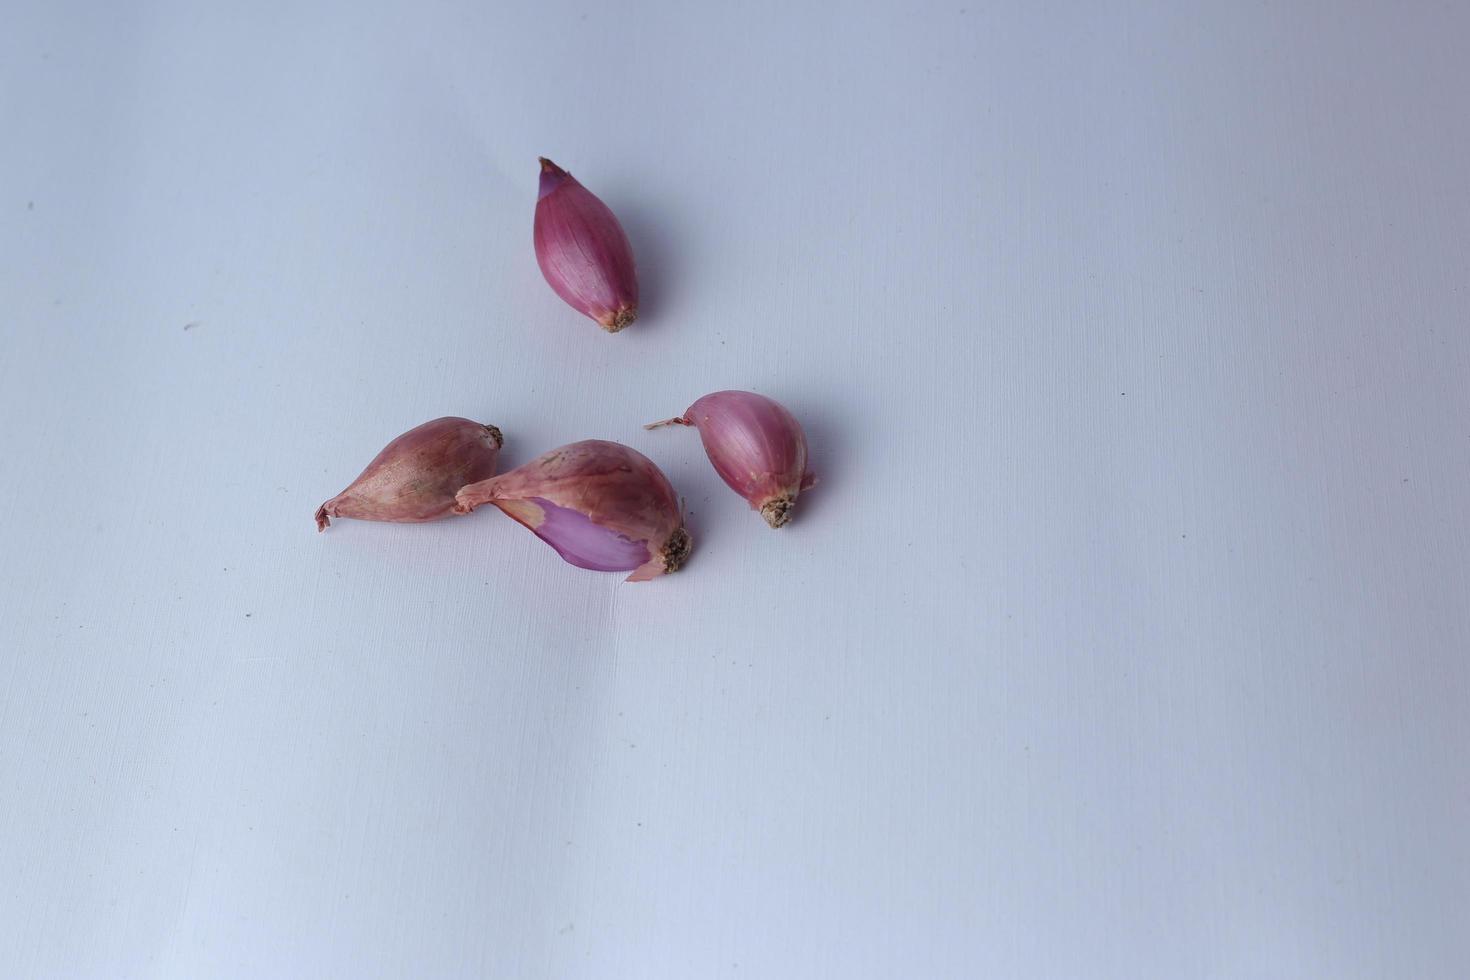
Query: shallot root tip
495, 434
676, 420
777, 511
676, 550
617, 321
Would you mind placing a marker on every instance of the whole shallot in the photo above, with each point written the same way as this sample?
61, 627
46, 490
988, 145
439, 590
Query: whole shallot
583, 252
756, 446
416, 476
600, 504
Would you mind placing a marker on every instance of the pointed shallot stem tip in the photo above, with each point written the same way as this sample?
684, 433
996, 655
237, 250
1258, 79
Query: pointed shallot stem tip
676, 420
551, 178
676, 550
495, 434
777, 511
322, 520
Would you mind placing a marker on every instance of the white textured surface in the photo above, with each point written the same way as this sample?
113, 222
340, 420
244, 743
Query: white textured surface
1126, 635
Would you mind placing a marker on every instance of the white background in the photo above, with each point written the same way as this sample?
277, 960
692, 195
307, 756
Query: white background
1125, 636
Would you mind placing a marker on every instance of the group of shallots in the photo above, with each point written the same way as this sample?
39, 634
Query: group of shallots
600, 504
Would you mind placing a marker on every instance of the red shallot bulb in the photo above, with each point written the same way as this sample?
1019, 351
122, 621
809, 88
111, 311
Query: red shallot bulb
583, 252
416, 476
600, 504
756, 446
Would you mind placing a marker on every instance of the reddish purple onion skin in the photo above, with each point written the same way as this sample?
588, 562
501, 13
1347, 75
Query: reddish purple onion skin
416, 476
600, 504
583, 252
756, 446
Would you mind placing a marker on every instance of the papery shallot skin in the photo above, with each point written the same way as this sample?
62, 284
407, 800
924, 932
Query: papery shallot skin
583, 251
757, 447
416, 476
600, 504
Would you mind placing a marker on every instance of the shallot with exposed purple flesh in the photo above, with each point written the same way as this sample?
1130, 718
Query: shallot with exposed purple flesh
601, 505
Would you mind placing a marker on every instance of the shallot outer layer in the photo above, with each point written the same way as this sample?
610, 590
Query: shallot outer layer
416, 476
756, 446
600, 504
583, 252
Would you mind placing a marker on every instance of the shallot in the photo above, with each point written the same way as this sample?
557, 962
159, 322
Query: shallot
756, 446
583, 252
600, 504
416, 476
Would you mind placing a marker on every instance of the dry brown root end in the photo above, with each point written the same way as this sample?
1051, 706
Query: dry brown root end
322, 520
495, 434
777, 511
617, 321
676, 550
